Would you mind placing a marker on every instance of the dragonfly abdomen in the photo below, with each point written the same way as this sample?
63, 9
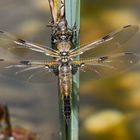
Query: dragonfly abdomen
65, 85
67, 109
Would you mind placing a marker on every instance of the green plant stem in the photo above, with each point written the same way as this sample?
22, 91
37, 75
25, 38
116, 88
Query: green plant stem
72, 10
71, 131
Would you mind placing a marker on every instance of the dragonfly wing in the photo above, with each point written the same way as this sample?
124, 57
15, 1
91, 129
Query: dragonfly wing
27, 53
25, 45
107, 65
57, 9
31, 71
107, 44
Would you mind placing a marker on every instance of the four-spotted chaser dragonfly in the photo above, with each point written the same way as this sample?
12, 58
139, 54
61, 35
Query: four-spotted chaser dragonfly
60, 61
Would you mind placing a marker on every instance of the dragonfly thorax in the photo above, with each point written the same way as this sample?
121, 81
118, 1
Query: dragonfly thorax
63, 46
61, 33
64, 58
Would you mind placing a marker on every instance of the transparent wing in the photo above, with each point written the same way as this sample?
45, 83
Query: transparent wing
57, 9
106, 44
31, 71
23, 46
107, 65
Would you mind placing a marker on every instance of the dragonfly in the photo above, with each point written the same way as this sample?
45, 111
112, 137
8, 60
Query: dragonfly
60, 61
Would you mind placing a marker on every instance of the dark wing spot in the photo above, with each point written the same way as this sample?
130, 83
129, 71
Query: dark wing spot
1, 59
21, 41
127, 26
128, 53
106, 37
103, 58
25, 62
1, 32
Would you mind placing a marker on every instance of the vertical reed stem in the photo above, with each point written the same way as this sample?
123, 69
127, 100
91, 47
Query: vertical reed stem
72, 13
71, 132
72, 10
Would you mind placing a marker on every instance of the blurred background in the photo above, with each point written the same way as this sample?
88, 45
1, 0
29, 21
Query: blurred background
109, 108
